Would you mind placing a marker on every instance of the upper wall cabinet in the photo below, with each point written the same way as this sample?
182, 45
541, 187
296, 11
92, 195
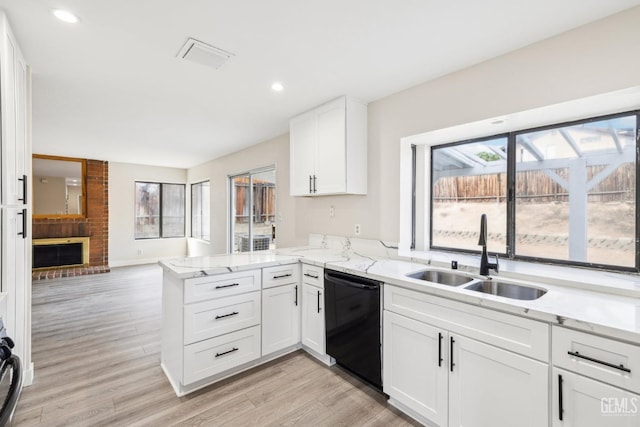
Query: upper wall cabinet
328, 149
13, 83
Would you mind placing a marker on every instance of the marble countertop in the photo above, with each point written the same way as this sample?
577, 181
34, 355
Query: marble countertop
611, 315
190, 267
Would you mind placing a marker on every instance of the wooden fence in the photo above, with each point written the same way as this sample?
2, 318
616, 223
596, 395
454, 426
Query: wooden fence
264, 200
535, 186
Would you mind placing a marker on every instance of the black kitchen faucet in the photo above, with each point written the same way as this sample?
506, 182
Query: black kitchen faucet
485, 265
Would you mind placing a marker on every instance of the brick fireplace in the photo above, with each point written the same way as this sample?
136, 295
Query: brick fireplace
95, 226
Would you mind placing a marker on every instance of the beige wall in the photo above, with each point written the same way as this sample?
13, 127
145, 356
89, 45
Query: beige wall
590, 60
49, 195
272, 152
123, 248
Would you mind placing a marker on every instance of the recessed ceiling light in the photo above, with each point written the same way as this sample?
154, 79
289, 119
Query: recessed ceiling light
65, 16
277, 86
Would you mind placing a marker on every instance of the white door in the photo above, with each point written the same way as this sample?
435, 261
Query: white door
280, 318
302, 151
589, 403
331, 148
313, 318
415, 366
489, 386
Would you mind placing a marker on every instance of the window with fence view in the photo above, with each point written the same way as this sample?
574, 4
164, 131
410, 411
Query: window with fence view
571, 191
159, 210
253, 211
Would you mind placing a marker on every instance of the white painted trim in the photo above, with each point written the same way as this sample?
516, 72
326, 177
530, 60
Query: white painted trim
27, 376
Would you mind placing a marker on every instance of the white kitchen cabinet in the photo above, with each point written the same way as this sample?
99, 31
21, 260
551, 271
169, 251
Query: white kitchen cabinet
596, 380
313, 323
415, 369
207, 358
220, 316
14, 272
489, 386
221, 285
328, 149
313, 328
15, 188
210, 327
280, 317
579, 401
14, 119
604, 359
280, 275
440, 376
302, 145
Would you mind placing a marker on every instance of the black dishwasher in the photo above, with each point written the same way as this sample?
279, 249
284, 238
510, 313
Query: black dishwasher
352, 320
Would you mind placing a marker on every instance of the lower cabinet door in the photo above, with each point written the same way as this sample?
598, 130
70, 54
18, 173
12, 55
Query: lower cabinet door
415, 366
213, 356
579, 401
489, 386
313, 335
280, 318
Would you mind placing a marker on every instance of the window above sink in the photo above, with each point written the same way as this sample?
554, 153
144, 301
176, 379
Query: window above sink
554, 191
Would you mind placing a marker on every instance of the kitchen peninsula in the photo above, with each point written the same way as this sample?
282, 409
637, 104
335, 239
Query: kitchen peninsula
216, 316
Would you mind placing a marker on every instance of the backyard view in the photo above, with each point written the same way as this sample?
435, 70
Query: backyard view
575, 193
254, 210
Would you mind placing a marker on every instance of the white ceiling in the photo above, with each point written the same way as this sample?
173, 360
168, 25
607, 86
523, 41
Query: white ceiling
111, 88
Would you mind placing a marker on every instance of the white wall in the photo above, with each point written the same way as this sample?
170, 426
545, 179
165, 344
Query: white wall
593, 59
272, 152
597, 58
123, 248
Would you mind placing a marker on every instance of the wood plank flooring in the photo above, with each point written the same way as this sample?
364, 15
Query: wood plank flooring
96, 350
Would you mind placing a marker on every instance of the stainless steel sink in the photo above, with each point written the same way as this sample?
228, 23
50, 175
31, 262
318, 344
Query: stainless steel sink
441, 277
507, 290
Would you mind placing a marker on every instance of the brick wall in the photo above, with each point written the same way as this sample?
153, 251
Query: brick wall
95, 225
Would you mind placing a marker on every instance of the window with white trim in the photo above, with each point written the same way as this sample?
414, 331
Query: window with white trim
564, 193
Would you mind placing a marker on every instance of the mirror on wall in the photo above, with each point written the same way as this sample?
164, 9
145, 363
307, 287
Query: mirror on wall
58, 187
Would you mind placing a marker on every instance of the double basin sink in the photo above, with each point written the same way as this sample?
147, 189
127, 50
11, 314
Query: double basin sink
483, 285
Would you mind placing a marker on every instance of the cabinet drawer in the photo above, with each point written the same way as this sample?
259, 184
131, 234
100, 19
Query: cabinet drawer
221, 285
313, 275
280, 275
604, 359
216, 355
524, 336
220, 316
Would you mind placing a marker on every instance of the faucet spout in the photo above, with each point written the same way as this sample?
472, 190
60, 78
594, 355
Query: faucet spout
485, 265
482, 241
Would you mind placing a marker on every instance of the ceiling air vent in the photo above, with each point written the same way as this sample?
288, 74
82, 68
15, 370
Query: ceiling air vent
202, 53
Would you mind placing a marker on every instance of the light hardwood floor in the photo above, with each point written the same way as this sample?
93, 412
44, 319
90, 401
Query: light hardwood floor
96, 349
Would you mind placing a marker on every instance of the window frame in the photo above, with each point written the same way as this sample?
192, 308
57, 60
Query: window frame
231, 205
510, 251
453, 144
200, 185
160, 210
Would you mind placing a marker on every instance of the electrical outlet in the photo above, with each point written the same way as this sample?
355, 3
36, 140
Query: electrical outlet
357, 230
139, 251
332, 211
